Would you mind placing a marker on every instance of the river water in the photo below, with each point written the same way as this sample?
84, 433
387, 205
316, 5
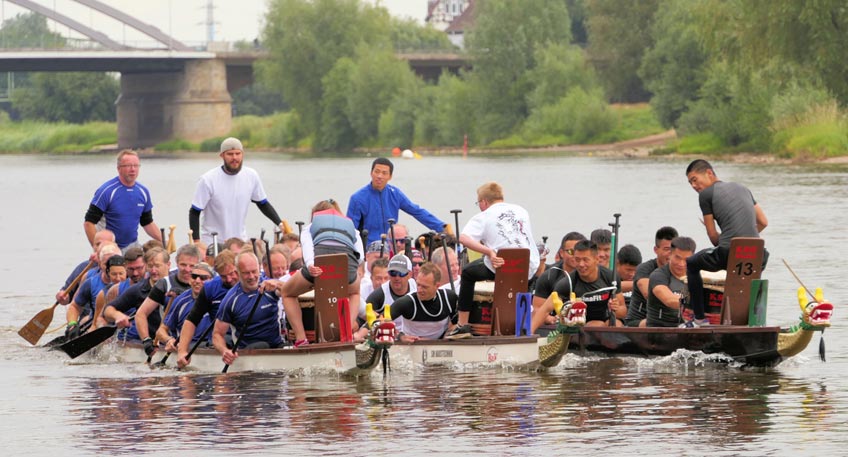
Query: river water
685, 404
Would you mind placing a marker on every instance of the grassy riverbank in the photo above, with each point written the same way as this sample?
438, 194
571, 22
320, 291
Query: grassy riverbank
817, 136
31, 137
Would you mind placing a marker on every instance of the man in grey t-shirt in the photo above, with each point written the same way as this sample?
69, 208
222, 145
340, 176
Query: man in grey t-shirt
733, 208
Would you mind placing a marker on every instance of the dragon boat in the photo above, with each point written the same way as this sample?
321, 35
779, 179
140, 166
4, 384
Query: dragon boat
738, 299
344, 358
756, 345
520, 352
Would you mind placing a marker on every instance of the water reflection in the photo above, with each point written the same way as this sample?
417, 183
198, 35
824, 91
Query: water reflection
621, 401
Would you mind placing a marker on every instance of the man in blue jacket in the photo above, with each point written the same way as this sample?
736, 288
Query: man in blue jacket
373, 205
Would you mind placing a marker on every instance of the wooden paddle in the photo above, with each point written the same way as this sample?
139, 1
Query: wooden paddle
79, 346
34, 329
172, 243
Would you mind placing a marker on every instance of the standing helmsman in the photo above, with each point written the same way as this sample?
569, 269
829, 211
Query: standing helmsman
373, 205
124, 203
224, 194
732, 207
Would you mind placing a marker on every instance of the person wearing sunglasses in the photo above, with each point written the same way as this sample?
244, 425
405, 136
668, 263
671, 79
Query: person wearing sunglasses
169, 331
498, 225
400, 284
565, 265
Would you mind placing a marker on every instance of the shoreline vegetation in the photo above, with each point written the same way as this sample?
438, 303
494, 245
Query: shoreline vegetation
637, 134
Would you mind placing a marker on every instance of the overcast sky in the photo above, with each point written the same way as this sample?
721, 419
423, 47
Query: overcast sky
185, 19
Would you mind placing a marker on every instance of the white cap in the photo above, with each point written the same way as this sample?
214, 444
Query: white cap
231, 143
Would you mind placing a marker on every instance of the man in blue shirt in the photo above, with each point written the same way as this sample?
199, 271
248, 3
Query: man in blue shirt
263, 329
124, 203
373, 205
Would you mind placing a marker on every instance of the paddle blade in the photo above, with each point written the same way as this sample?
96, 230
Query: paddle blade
34, 329
79, 346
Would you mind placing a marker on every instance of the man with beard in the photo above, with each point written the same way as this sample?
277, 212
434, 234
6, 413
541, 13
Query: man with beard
224, 193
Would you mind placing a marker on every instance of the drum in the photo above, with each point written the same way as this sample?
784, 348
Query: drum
307, 308
713, 295
480, 317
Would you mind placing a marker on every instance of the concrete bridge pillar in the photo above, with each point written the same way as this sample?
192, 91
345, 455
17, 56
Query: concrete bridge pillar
191, 105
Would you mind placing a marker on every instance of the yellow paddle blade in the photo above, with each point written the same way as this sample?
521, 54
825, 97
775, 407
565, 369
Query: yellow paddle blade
557, 303
286, 227
370, 315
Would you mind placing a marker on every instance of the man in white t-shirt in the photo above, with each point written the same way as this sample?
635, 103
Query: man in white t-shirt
498, 225
224, 193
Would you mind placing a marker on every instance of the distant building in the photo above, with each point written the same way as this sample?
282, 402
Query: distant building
453, 17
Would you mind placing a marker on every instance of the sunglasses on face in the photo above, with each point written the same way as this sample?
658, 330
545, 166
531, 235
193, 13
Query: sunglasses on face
397, 274
568, 251
201, 276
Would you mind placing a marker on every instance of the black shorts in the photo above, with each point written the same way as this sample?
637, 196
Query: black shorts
352, 261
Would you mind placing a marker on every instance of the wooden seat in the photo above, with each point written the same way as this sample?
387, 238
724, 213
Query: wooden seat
330, 288
744, 265
510, 280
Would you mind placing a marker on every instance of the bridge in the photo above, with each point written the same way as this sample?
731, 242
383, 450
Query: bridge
173, 90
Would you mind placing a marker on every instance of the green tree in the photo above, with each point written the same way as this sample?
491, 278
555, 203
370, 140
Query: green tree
69, 97
503, 42
375, 81
306, 38
408, 36
257, 99
335, 132
560, 68
619, 34
577, 12
674, 68
735, 106
454, 113
29, 30
807, 40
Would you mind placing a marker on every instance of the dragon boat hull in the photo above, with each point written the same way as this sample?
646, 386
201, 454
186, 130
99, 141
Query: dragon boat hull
525, 352
344, 358
757, 346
